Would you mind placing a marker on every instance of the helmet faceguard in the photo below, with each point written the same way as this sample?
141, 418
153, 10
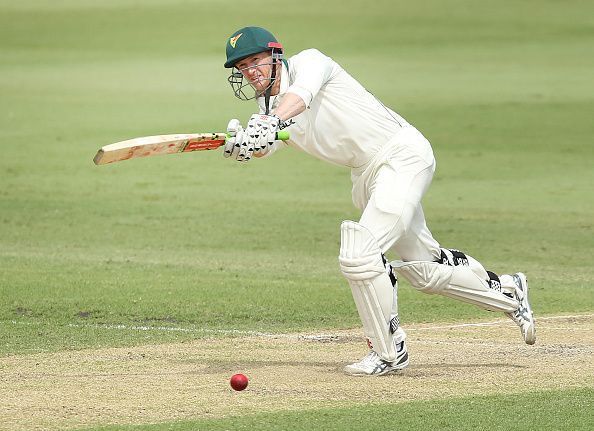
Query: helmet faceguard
239, 84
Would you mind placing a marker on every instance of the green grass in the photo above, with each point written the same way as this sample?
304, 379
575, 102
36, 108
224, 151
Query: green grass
570, 409
173, 248
503, 91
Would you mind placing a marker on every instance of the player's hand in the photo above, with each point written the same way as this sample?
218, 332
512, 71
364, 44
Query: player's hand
234, 139
261, 131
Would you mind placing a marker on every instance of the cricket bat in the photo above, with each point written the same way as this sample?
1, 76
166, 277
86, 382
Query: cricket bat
164, 144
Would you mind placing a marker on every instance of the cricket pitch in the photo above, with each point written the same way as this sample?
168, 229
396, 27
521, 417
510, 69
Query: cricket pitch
190, 380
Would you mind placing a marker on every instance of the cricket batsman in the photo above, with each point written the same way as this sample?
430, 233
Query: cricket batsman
331, 116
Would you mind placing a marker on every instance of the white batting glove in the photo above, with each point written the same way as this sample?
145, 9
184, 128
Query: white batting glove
234, 140
233, 126
261, 131
238, 147
246, 148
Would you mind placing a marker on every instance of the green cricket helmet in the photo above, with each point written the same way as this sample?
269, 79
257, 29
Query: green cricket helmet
244, 43
249, 41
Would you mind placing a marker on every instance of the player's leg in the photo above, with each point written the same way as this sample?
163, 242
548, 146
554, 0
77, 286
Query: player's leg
400, 224
374, 289
387, 215
470, 282
467, 282
474, 284
463, 277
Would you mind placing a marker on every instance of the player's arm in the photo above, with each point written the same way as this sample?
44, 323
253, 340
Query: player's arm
291, 106
312, 70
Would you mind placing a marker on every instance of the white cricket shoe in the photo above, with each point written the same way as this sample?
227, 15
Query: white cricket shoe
373, 365
523, 316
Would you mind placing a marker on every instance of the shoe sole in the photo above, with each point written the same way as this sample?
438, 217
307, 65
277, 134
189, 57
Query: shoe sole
530, 337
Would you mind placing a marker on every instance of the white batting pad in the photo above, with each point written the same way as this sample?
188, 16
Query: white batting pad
375, 296
457, 282
508, 284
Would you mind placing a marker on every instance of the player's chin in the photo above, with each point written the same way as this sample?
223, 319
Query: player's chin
259, 86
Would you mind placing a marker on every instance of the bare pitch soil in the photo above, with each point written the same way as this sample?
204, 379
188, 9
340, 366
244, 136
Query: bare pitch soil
289, 372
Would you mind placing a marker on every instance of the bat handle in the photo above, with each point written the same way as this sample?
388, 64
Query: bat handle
282, 135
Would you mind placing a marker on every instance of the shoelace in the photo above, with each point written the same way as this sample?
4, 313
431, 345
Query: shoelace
369, 359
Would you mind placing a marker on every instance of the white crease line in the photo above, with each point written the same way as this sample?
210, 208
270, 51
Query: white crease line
176, 329
161, 328
460, 325
507, 346
498, 322
289, 336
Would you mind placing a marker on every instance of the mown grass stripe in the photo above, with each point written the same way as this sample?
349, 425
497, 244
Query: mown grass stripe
565, 409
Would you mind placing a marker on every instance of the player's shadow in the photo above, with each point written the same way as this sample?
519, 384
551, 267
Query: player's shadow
490, 365
420, 369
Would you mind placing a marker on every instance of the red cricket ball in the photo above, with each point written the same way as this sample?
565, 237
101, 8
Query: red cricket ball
239, 382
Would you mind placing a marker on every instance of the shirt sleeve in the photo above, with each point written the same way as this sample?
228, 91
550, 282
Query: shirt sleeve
312, 70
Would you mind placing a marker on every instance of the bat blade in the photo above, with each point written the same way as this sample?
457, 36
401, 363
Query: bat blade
155, 145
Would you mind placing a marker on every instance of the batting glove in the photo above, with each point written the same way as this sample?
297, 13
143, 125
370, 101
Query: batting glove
235, 139
261, 131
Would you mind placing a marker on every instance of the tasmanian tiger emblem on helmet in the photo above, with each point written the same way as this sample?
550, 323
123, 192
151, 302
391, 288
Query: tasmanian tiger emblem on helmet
233, 40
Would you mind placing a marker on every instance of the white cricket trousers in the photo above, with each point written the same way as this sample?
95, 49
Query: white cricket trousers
389, 188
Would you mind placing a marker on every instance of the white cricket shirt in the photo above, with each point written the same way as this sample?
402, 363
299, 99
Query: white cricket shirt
343, 124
